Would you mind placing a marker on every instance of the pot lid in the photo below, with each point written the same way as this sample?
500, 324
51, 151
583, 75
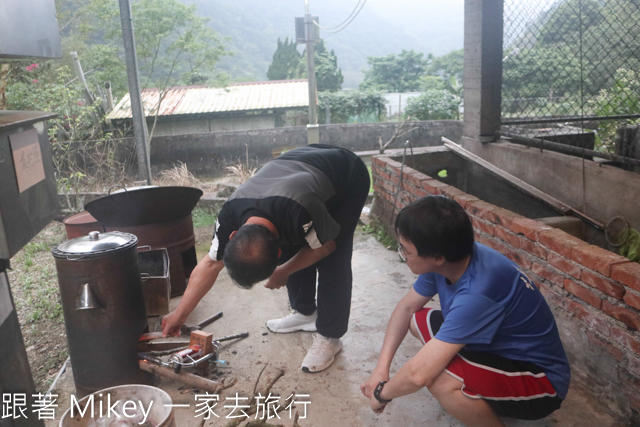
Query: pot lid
96, 243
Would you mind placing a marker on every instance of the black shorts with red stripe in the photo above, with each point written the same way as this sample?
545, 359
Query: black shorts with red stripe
512, 388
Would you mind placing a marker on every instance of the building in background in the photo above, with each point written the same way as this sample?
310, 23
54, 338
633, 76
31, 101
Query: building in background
240, 106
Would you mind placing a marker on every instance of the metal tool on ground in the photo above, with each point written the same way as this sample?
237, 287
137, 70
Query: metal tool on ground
232, 337
150, 364
185, 358
164, 348
187, 329
191, 356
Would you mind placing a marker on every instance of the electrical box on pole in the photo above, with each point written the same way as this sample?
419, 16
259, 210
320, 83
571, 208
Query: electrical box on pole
301, 37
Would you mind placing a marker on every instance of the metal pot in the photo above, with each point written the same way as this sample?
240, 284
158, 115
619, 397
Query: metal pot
144, 205
104, 309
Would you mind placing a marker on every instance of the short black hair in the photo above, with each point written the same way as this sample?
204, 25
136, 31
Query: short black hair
437, 226
252, 255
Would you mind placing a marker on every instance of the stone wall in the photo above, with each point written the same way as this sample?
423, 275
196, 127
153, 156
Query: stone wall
211, 152
594, 293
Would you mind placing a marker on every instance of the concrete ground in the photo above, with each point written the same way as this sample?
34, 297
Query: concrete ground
380, 280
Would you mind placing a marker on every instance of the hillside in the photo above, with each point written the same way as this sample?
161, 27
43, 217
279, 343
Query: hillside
381, 28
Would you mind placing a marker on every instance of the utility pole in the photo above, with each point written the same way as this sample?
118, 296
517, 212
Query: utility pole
307, 33
137, 111
311, 71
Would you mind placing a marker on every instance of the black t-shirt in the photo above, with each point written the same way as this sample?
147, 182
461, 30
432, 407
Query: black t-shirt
292, 192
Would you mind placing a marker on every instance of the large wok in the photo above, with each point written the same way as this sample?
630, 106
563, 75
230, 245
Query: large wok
144, 205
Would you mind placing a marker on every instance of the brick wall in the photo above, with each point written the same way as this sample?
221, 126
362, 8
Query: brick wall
594, 293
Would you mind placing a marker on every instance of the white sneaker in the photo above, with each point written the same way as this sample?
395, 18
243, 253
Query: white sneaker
322, 353
294, 321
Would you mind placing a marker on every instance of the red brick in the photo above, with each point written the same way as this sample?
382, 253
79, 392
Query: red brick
596, 258
389, 187
564, 265
393, 166
483, 210
559, 241
625, 339
530, 228
583, 293
603, 284
610, 348
533, 248
384, 175
632, 298
482, 225
628, 274
497, 245
482, 239
633, 365
550, 295
519, 259
505, 217
628, 316
464, 199
433, 186
418, 192
507, 236
379, 161
416, 178
547, 274
634, 402
450, 191
588, 317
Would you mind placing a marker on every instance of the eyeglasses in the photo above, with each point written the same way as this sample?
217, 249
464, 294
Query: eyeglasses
403, 254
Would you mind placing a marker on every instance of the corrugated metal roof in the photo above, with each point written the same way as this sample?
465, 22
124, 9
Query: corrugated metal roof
202, 100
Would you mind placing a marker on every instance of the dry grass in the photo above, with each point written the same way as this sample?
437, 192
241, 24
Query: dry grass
240, 172
178, 176
36, 295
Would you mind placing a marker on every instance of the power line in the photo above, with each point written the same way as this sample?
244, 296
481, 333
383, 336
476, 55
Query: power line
348, 23
333, 28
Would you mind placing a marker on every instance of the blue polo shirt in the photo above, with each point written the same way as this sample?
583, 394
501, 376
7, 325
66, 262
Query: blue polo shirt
494, 307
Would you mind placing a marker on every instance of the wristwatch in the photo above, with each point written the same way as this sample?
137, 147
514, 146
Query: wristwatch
378, 390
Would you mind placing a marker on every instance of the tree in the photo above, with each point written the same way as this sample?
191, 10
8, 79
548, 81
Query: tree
393, 73
172, 41
433, 105
286, 61
288, 64
569, 20
328, 75
447, 66
351, 103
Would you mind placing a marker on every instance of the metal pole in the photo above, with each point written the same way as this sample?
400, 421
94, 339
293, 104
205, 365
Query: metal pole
567, 149
311, 72
137, 111
107, 86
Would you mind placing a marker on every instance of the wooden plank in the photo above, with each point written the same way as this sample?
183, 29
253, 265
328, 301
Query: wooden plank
516, 182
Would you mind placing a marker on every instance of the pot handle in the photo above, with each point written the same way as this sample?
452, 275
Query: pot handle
116, 186
144, 276
145, 248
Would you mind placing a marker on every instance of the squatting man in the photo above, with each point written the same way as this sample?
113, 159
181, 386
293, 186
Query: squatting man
291, 223
492, 350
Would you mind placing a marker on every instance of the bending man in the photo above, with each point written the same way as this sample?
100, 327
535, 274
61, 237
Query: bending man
294, 220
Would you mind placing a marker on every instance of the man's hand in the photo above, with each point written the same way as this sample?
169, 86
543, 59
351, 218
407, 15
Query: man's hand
377, 406
369, 386
171, 324
277, 280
